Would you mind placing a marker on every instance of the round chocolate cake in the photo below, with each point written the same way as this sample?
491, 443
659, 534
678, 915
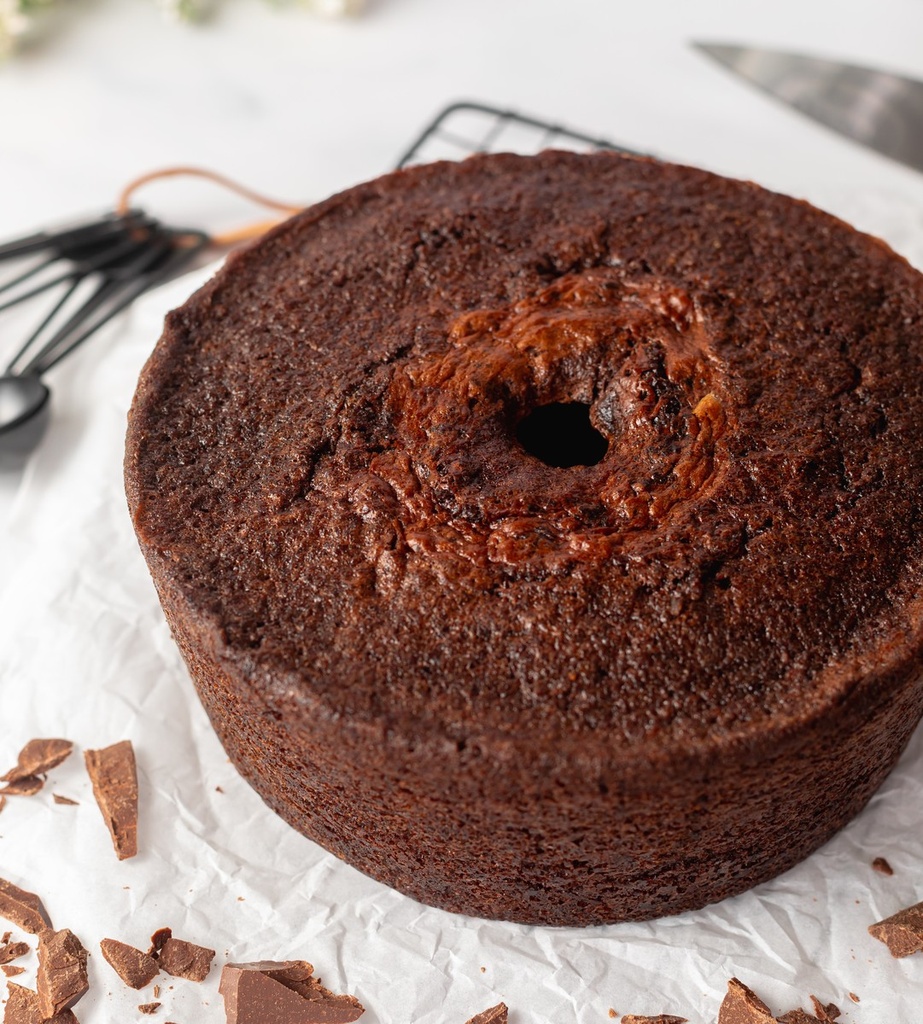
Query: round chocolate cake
544, 535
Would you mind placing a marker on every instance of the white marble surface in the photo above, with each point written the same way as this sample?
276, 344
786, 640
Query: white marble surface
300, 107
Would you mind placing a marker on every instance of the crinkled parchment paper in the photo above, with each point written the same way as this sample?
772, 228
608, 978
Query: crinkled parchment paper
85, 654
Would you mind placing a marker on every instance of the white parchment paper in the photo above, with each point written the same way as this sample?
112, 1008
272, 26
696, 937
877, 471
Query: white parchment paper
85, 654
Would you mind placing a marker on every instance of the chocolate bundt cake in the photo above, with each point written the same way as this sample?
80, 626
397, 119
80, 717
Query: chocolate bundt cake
544, 535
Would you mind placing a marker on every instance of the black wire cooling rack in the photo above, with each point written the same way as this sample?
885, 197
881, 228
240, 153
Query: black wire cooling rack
464, 128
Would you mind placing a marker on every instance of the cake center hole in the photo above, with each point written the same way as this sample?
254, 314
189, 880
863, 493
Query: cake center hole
561, 434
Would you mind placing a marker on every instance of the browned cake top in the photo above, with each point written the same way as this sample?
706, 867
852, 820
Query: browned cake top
335, 454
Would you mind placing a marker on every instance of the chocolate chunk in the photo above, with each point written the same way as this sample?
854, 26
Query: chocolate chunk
12, 951
22, 908
828, 1014
880, 864
11, 970
495, 1015
38, 757
58, 799
284, 993
663, 1018
62, 971
741, 1006
135, 968
902, 933
149, 1007
28, 785
23, 1007
115, 786
158, 939
798, 1016
185, 959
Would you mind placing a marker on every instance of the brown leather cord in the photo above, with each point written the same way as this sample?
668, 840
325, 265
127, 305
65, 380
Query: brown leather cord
232, 237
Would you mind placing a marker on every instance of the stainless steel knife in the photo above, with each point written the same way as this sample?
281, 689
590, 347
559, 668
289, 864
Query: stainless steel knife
880, 110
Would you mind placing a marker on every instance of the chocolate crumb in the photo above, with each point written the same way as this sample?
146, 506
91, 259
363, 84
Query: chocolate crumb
22, 908
149, 1007
114, 776
184, 959
38, 757
880, 864
663, 1018
58, 799
902, 933
62, 971
28, 785
285, 993
218, 789
495, 1015
135, 968
854, 997
5, 938
12, 951
11, 970
2, 802
742, 1006
612, 1013
156, 991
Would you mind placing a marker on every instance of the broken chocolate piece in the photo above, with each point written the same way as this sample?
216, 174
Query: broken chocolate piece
58, 799
11, 970
12, 951
880, 864
22, 908
902, 933
827, 1014
135, 968
149, 1007
285, 993
28, 785
158, 939
22, 1007
38, 757
662, 1018
495, 1015
62, 971
114, 776
798, 1016
741, 1006
185, 959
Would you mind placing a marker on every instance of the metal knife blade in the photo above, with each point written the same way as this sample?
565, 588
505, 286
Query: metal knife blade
880, 110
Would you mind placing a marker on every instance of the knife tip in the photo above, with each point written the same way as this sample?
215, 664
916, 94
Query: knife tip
719, 51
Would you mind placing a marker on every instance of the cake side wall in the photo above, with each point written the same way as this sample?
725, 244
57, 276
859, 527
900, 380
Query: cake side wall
574, 856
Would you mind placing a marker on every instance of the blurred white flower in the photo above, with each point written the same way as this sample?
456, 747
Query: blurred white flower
13, 23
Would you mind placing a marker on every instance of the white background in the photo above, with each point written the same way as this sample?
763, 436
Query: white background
300, 107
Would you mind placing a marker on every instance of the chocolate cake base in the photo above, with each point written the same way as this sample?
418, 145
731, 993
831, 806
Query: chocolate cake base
543, 535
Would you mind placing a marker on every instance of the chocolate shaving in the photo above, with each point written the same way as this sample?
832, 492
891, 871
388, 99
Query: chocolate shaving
135, 968
58, 799
11, 970
285, 993
149, 1007
115, 786
22, 908
62, 971
742, 1006
38, 757
184, 959
902, 933
23, 1008
28, 785
12, 951
495, 1015
880, 864
663, 1018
